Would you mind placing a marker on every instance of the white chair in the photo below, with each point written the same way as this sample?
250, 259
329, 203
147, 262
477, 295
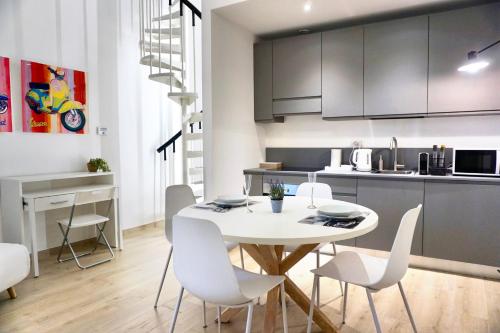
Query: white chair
372, 273
178, 197
14, 266
203, 268
85, 220
323, 191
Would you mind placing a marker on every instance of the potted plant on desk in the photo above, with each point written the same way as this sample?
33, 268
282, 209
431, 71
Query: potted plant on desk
277, 194
97, 165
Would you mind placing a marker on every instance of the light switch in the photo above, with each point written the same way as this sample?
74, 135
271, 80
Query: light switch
102, 131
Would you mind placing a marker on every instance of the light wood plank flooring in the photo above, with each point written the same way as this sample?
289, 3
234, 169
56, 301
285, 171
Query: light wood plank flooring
119, 297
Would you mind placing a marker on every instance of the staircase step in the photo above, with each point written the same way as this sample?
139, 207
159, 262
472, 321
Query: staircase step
164, 32
164, 48
166, 17
156, 63
195, 117
194, 154
186, 98
195, 171
194, 136
165, 79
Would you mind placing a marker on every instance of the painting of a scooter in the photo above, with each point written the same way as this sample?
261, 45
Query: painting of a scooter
54, 98
4, 103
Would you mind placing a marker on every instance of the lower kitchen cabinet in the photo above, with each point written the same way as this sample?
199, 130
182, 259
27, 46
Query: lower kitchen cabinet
390, 199
462, 222
256, 187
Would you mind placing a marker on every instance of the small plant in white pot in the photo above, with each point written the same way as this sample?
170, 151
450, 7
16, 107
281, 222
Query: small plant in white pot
277, 194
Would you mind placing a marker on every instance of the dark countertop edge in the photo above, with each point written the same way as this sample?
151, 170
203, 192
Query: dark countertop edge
448, 179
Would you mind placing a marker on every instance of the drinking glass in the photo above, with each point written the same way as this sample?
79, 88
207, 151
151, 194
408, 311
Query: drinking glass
311, 176
246, 188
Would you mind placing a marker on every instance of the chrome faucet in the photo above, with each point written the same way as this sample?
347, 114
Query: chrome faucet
394, 145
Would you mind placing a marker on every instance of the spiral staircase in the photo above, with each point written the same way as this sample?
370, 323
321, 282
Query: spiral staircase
164, 49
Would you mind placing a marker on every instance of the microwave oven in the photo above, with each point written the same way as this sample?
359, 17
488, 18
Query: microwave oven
476, 162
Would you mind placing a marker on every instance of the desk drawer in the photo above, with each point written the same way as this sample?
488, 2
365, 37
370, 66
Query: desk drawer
54, 202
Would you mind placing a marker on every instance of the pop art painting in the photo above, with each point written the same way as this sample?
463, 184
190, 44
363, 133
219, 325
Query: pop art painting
54, 99
5, 97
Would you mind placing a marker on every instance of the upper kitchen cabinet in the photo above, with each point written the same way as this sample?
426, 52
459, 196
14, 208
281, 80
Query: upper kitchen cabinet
263, 82
297, 74
396, 64
451, 36
342, 73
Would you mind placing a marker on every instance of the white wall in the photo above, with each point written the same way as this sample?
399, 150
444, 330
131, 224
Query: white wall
100, 38
232, 141
52, 32
312, 131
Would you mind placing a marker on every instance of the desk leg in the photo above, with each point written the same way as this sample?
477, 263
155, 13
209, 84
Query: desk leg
34, 240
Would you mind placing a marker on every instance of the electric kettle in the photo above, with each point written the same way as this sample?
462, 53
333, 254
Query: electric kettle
361, 159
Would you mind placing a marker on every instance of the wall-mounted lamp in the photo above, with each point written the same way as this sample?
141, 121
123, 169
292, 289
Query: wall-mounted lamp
474, 64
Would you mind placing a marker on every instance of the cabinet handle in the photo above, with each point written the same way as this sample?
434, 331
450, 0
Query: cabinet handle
58, 202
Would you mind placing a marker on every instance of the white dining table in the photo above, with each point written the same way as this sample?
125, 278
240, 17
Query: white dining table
263, 235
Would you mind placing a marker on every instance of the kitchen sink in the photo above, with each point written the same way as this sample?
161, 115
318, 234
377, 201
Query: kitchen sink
393, 172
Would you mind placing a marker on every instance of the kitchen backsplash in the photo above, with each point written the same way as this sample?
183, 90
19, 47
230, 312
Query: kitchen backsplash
311, 158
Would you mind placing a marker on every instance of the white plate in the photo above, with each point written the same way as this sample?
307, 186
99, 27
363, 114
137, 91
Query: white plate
230, 204
233, 198
338, 210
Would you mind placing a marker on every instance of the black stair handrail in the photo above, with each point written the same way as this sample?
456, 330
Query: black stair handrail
171, 141
194, 11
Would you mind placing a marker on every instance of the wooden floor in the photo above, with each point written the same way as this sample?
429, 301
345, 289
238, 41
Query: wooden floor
119, 297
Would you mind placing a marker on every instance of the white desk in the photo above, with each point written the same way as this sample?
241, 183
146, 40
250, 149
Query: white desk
42, 193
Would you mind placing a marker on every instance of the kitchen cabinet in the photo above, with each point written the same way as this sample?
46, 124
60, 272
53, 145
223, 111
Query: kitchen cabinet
462, 222
396, 64
342, 73
297, 67
390, 199
451, 36
263, 82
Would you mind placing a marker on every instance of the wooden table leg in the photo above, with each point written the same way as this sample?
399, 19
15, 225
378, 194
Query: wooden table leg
270, 259
304, 302
270, 254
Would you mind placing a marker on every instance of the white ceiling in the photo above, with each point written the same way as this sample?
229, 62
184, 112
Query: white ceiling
274, 16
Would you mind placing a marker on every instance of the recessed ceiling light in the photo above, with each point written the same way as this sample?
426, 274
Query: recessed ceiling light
307, 6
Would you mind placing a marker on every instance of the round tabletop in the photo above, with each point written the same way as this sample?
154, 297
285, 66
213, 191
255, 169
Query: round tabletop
267, 228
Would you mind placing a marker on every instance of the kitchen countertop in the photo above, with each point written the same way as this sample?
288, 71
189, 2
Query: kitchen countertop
359, 174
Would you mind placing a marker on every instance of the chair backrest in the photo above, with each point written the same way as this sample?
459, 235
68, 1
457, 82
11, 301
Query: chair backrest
321, 190
85, 197
177, 197
201, 262
399, 258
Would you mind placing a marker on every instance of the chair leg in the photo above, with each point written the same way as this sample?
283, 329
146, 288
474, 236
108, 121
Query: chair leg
176, 312
344, 304
163, 277
317, 287
283, 307
374, 313
241, 258
12, 293
311, 307
204, 315
407, 307
249, 318
218, 318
